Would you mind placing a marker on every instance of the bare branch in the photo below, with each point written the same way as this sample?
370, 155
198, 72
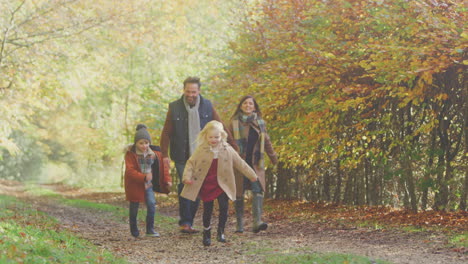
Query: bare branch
33, 38
44, 11
7, 30
57, 33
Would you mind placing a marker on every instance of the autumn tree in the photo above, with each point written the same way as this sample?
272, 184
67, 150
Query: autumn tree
368, 95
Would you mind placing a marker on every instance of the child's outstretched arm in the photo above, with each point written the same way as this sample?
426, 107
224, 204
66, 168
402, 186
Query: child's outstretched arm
243, 167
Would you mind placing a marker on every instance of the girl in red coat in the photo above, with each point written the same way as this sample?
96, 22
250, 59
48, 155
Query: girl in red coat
138, 175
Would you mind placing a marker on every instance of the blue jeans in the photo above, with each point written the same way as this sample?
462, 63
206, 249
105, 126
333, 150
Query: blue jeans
187, 208
150, 201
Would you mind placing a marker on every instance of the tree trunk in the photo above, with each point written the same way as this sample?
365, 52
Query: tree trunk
406, 202
442, 196
409, 178
367, 181
374, 183
428, 173
326, 185
297, 190
438, 199
464, 193
348, 195
380, 184
281, 181
270, 183
337, 195
359, 189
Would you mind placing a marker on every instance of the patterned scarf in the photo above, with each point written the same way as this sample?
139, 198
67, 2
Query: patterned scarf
145, 160
241, 135
193, 124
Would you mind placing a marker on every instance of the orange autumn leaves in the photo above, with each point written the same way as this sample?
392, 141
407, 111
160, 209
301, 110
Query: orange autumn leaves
380, 215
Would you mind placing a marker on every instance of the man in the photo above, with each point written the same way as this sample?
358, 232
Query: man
184, 121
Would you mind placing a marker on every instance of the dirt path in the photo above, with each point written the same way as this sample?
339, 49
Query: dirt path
282, 237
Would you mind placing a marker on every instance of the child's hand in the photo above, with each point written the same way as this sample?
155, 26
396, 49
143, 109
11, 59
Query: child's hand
148, 185
254, 180
189, 182
167, 163
169, 184
149, 177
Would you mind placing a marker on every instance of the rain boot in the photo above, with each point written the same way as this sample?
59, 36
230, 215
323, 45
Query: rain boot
257, 208
220, 235
207, 237
239, 206
150, 226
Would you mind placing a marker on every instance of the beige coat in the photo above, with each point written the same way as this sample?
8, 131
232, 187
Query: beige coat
199, 163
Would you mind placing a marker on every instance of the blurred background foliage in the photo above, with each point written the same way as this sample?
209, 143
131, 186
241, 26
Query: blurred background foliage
77, 76
365, 100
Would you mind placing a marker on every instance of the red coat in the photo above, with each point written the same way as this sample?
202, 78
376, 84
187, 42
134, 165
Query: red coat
135, 180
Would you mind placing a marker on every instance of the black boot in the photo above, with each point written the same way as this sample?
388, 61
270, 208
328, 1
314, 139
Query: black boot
220, 236
207, 237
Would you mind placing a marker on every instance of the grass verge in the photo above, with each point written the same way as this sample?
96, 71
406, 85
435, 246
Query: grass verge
329, 258
117, 213
29, 236
120, 213
459, 240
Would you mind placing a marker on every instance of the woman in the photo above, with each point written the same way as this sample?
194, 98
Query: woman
251, 136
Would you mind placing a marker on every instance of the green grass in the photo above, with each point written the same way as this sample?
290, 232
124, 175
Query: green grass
459, 240
413, 229
40, 191
78, 203
329, 258
259, 247
371, 225
119, 213
302, 256
29, 236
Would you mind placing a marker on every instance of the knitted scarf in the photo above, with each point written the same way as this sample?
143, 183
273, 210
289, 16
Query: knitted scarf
241, 136
145, 160
193, 124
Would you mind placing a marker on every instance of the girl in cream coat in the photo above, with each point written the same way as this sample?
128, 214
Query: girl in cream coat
209, 174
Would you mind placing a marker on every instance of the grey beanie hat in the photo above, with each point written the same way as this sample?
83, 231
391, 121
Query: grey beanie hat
142, 133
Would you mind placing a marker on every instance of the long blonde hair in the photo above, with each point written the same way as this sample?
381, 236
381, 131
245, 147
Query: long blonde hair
212, 125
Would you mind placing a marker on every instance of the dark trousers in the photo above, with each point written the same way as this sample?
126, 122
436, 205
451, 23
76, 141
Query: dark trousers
150, 201
223, 202
187, 208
